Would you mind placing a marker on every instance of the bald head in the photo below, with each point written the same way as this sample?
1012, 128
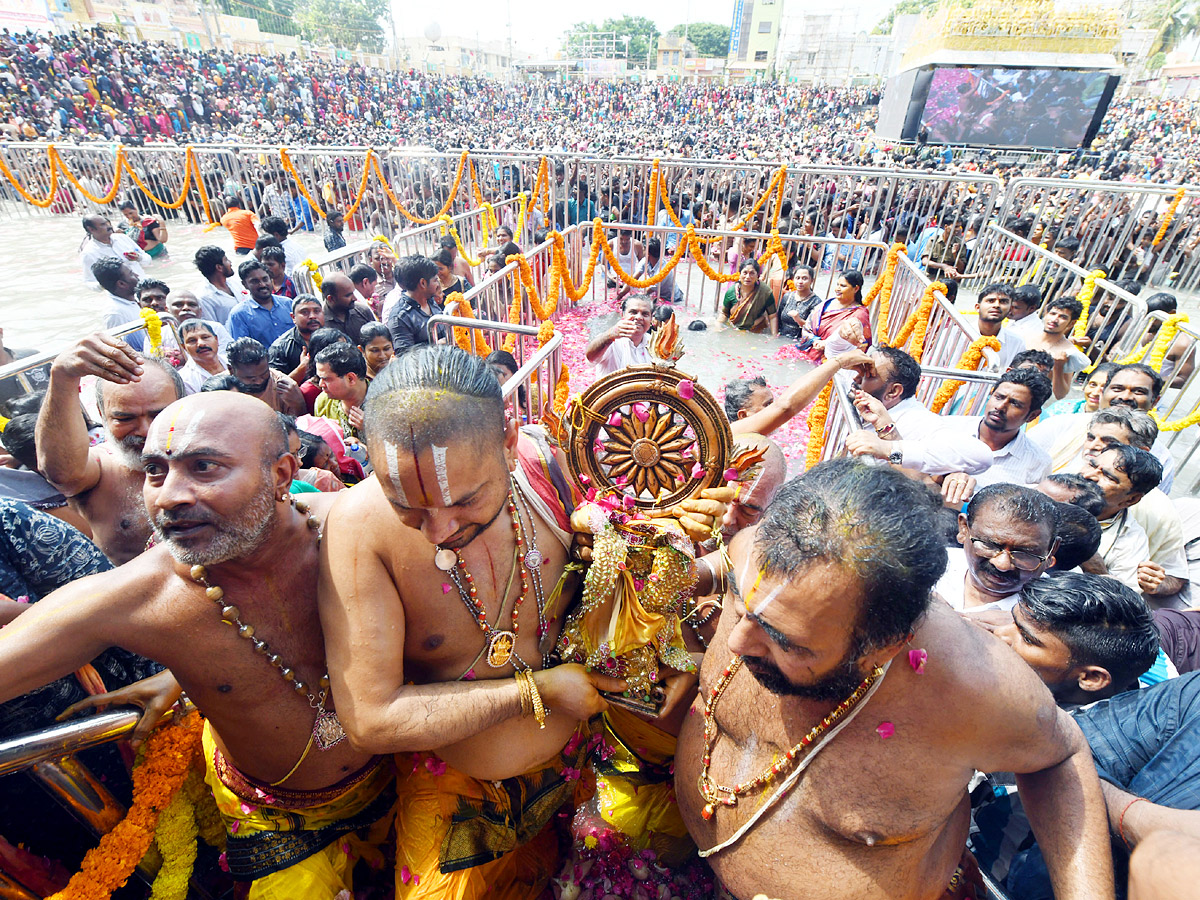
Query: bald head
220, 421
755, 496
338, 291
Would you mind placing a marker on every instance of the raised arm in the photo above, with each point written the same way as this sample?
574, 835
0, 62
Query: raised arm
798, 395
64, 455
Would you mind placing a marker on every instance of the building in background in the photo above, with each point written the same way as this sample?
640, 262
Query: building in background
832, 46
754, 39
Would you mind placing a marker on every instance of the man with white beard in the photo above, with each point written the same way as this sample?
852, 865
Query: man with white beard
104, 483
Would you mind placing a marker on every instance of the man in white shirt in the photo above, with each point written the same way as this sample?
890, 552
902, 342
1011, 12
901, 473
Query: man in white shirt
994, 303
1135, 386
104, 243
1016, 399
222, 291
1008, 539
1125, 474
116, 277
905, 433
1023, 318
625, 344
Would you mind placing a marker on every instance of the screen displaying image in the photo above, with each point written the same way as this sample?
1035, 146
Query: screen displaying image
1012, 107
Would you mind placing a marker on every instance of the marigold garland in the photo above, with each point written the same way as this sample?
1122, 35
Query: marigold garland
315, 272
882, 288
447, 225
969, 362
1179, 424
153, 330
917, 323
470, 340
816, 427
1168, 217
1085, 295
176, 840
1166, 337
163, 766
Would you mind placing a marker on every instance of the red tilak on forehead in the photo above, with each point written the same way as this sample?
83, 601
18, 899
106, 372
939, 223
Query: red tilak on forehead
412, 435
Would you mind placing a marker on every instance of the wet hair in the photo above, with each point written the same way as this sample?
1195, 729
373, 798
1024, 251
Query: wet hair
18, 439
870, 520
854, 278
1039, 358
1038, 384
1141, 467
446, 242
250, 265
1161, 302
1016, 503
654, 247
1068, 243
738, 392
310, 446
435, 395
245, 351
222, 382
1084, 494
344, 359
274, 253
1099, 620
443, 257
318, 341
996, 287
107, 271
1028, 294
191, 325
1069, 305
24, 403
905, 371
263, 241
410, 270
275, 226
147, 363
208, 259
503, 358
1156, 380
287, 423
150, 284
373, 330
750, 263
361, 272
1078, 534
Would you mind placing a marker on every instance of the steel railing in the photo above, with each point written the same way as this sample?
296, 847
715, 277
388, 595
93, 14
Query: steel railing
1001, 256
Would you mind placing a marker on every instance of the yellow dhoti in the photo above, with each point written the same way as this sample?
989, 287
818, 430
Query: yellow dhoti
458, 837
299, 844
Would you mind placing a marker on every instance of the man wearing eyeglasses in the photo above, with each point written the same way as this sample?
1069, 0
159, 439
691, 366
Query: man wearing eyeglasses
249, 365
1008, 539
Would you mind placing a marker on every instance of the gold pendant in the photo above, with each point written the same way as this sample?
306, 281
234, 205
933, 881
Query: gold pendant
500, 648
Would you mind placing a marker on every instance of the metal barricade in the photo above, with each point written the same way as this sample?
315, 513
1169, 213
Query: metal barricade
1115, 223
531, 387
1001, 256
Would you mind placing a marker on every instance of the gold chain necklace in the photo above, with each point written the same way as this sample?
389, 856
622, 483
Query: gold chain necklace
718, 795
327, 729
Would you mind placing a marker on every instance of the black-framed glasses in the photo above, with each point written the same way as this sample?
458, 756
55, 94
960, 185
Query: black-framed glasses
1022, 559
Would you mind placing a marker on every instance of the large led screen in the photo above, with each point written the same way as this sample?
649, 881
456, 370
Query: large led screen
999, 107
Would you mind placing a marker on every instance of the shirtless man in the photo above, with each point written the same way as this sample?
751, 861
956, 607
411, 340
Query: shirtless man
410, 668
217, 471
885, 812
1058, 318
104, 483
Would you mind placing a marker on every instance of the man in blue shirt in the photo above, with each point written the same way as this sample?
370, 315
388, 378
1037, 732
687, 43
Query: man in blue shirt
265, 316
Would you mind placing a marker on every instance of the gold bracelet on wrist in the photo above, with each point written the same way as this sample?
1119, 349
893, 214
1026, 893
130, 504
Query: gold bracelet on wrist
539, 710
524, 693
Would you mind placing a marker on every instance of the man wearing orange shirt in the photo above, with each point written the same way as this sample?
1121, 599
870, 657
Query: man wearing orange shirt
240, 224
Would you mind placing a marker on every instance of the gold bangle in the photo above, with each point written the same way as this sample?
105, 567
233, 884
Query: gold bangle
539, 710
524, 693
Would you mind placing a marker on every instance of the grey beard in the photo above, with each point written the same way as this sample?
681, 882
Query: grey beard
235, 538
128, 451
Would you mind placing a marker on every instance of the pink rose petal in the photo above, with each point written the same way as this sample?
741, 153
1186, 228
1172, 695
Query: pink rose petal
615, 420
687, 389
445, 588
885, 730
730, 474
916, 659
642, 411
697, 470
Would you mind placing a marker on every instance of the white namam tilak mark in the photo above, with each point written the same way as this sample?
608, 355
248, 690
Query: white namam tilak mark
766, 601
183, 439
392, 454
439, 467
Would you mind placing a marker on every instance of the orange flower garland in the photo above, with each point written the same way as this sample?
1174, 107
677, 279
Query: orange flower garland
918, 318
816, 427
1170, 214
164, 765
969, 362
465, 337
882, 288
